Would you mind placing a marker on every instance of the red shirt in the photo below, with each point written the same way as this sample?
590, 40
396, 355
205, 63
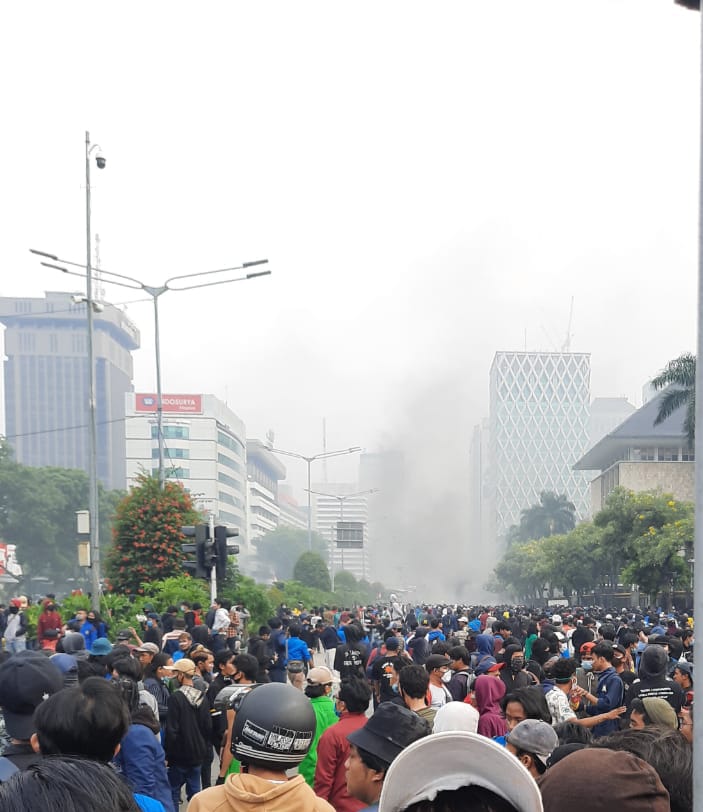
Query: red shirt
332, 751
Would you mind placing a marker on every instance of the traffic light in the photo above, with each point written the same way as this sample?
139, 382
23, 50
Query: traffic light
222, 550
199, 568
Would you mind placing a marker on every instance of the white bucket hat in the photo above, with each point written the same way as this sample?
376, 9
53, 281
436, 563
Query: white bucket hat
448, 761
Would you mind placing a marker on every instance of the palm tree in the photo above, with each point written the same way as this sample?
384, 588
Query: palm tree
678, 378
553, 514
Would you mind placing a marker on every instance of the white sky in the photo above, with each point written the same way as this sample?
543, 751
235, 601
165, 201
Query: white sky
428, 181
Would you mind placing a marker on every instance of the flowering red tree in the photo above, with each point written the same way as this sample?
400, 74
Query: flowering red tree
146, 534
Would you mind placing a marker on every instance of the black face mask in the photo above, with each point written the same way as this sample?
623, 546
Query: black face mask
517, 663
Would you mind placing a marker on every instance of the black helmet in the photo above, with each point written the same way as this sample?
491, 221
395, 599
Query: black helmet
274, 727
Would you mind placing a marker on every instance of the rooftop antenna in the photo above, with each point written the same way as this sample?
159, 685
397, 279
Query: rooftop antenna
99, 289
566, 346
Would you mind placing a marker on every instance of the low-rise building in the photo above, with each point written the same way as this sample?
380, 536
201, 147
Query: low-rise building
642, 457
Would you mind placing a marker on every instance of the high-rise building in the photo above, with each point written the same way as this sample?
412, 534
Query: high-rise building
264, 470
337, 505
204, 449
607, 414
47, 382
538, 429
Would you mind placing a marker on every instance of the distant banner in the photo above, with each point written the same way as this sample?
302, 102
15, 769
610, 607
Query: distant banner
8, 560
178, 404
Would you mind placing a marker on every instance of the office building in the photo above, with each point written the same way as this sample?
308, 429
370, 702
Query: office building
204, 450
264, 470
607, 414
338, 513
538, 429
46, 381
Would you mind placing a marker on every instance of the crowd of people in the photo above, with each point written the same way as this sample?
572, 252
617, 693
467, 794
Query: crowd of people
384, 707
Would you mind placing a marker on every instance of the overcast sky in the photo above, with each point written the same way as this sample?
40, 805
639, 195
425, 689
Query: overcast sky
431, 182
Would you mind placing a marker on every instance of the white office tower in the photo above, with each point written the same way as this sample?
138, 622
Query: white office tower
538, 429
341, 518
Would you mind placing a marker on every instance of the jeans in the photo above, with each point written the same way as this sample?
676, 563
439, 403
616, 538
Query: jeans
17, 645
278, 674
206, 769
177, 776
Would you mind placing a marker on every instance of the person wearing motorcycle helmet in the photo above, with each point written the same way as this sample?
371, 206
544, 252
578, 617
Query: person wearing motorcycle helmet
273, 730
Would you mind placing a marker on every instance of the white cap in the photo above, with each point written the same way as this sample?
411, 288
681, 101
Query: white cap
456, 716
447, 761
556, 619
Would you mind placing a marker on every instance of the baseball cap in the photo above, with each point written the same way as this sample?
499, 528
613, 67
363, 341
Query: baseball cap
685, 668
556, 619
389, 731
124, 634
454, 759
587, 648
101, 647
184, 665
392, 644
150, 648
463, 619
26, 680
488, 665
321, 675
534, 736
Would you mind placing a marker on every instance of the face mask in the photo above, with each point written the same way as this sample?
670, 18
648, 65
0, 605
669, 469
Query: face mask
587, 665
447, 676
395, 688
517, 663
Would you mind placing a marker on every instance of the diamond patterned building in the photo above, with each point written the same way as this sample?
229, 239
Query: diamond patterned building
538, 429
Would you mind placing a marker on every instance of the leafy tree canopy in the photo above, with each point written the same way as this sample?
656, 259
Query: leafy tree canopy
311, 570
678, 378
281, 548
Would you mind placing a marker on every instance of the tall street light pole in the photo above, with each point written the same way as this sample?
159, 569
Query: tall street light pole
93, 430
342, 498
182, 282
309, 461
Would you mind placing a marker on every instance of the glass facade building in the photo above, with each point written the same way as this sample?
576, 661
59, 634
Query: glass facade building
538, 429
46, 383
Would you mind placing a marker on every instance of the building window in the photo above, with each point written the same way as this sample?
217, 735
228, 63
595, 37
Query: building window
228, 499
173, 473
172, 453
230, 463
230, 517
230, 442
668, 454
228, 480
687, 455
643, 454
171, 432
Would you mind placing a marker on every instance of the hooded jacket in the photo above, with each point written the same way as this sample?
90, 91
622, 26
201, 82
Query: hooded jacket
653, 681
188, 730
484, 648
249, 793
489, 691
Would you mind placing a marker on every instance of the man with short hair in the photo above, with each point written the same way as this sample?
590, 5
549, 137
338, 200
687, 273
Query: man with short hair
220, 623
437, 665
382, 671
187, 732
374, 747
609, 693
245, 670
459, 662
145, 653
413, 683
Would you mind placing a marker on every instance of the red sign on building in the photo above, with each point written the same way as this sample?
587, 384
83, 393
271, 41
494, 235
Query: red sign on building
180, 404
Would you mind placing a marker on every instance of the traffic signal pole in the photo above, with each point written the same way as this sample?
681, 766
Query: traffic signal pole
213, 570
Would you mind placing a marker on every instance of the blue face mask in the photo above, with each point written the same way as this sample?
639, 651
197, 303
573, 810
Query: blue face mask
395, 688
587, 665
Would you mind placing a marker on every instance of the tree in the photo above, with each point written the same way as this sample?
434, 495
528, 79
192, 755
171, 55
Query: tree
311, 570
678, 379
147, 534
38, 514
553, 514
281, 548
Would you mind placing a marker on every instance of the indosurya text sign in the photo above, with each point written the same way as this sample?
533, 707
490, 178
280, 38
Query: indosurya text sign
180, 404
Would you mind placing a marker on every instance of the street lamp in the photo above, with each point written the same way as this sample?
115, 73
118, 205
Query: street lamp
182, 282
309, 460
342, 498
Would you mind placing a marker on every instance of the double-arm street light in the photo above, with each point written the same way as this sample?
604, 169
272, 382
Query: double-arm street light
342, 498
309, 460
174, 283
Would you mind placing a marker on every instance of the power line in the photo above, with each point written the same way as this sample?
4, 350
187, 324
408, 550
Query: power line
69, 428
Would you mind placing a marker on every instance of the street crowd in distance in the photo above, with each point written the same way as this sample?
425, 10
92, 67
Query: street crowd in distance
429, 708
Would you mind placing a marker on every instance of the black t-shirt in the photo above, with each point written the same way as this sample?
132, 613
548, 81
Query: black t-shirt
661, 687
382, 673
349, 661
